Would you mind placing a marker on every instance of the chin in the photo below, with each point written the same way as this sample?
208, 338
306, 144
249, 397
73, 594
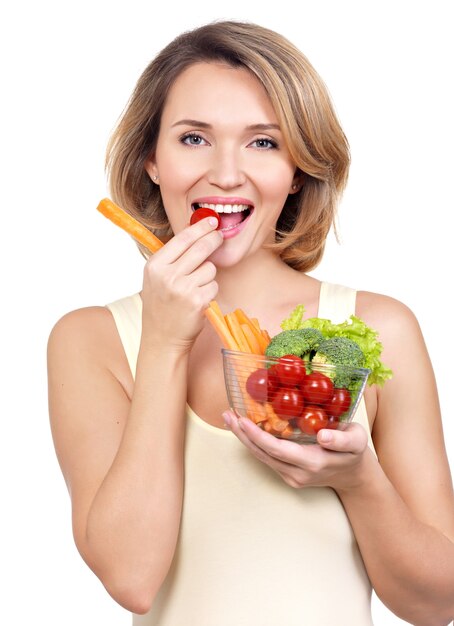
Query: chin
225, 258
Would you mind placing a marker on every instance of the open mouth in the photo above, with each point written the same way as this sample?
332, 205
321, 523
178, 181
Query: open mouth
231, 215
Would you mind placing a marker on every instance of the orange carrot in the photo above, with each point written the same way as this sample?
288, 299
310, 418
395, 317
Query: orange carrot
223, 331
255, 411
251, 339
255, 321
277, 424
261, 339
128, 223
266, 336
236, 331
288, 432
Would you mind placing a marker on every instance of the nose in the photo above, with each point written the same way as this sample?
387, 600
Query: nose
226, 168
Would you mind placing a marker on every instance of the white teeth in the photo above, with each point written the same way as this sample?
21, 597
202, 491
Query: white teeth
225, 208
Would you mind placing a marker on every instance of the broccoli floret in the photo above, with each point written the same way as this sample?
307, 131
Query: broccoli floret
340, 351
303, 343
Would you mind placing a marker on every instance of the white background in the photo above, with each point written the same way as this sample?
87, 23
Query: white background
67, 71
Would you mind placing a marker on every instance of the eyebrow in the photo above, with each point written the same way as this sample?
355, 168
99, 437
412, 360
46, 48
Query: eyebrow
200, 124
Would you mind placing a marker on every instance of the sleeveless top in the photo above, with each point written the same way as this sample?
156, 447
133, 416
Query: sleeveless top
253, 551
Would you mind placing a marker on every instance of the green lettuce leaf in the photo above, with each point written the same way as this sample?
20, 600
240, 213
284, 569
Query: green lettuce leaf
354, 328
293, 322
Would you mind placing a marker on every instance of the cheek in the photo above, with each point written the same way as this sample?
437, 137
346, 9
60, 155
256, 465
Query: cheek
174, 182
276, 180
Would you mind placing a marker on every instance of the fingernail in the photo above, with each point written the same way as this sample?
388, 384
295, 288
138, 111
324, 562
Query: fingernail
227, 419
325, 435
213, 221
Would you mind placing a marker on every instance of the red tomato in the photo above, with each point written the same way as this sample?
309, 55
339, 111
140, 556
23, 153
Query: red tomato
257, 385
313, 419
273, 382
200, 214
317, 388
339, 403
290, 370
288, 403
333, 423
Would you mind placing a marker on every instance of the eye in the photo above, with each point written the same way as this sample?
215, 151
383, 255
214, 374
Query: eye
192, 139
264, 143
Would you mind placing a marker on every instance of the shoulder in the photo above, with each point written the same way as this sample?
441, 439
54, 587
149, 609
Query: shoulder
387, 315
404, 347
376, 305
87, 338
87, 327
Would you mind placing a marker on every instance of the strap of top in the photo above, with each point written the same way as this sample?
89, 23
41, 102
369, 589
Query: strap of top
336, 302
127, 314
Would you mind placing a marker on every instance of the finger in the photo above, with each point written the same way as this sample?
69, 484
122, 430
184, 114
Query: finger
185, 239
203, 275
279, 454
352, 439
199, 252
232, 420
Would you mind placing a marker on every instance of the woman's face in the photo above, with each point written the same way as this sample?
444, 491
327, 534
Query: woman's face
220, 145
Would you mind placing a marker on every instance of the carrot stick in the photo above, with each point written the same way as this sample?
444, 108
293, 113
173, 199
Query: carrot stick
254, 345
266, 337
277, 424
255, 321
129, 224
237, 333
254, 326
256, 416
289, 431
241, 316
223, 331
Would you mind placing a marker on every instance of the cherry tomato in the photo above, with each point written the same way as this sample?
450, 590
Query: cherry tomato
288, 403
317, 388
273, 382
200, 214
313, 419
290, 370
333, 423
257, 385
339, 403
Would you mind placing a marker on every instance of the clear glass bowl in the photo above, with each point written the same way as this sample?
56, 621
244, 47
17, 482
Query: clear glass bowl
290, 400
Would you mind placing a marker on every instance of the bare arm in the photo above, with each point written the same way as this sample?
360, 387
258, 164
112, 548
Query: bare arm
121, 446
401, 508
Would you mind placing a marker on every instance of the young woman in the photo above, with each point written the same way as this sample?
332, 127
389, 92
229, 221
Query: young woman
186, 521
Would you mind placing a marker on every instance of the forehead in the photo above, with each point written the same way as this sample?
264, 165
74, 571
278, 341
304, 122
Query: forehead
216, 90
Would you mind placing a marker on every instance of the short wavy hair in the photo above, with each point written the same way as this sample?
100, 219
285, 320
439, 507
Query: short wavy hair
302, 105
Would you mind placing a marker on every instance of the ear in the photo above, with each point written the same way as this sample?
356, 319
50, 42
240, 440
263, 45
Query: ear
297, 182
151, 169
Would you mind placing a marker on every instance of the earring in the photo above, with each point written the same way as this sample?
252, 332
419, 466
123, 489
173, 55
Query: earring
155, 178
294, 186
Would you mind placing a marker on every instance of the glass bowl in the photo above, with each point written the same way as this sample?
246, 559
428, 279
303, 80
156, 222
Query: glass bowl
290, 398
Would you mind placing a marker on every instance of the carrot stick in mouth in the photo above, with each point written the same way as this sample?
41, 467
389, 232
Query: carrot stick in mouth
144, 236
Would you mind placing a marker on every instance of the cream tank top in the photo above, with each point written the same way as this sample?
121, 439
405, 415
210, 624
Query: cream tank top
253, 551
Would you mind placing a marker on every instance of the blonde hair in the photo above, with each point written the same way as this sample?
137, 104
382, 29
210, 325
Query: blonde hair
304, 110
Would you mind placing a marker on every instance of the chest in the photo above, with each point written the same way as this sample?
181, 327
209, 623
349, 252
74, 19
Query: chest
206, 388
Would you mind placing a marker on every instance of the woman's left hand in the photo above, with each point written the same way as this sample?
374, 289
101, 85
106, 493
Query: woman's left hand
337, 460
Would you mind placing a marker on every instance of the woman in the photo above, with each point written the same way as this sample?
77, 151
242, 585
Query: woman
183, 520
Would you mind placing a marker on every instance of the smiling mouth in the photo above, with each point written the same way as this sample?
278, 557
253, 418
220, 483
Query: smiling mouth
230, 214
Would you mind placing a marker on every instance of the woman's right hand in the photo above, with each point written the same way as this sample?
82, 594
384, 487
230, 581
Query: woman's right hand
179, 283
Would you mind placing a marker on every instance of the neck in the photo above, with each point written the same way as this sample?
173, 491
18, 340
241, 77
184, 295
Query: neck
249, 283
